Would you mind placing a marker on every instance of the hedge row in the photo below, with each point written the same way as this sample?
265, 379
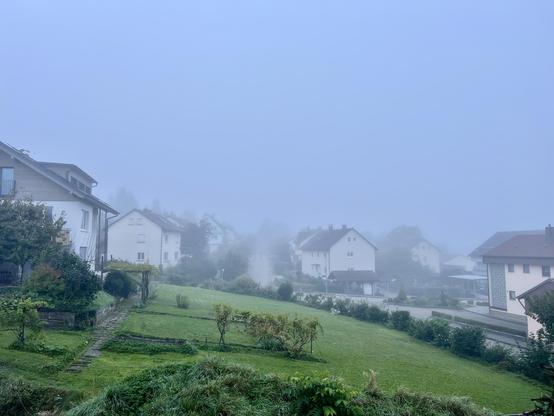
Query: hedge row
467, 341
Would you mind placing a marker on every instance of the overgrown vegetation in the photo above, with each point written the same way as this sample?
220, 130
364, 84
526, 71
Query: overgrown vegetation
130, 346
211, 387
20, 315
119, 284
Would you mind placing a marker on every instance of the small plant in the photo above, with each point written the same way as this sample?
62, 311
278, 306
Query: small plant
371, 383
499, 355
182, 301
223, 320
20, 315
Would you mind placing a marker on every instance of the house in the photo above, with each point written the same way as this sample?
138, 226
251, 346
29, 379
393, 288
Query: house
538, 291
67, 192
516, 266
426, 254
144, 237
330, 253
460, 263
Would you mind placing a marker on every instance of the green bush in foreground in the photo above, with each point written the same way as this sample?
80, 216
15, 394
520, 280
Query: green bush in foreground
211, 387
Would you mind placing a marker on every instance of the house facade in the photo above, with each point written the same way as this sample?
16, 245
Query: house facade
144, 237
67, 192
516, 266
427, 255
339, 250
546, 287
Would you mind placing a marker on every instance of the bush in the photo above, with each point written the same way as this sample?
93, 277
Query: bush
66, 283
119, 284
499, 355
400, 320
285, 291
534, 358
244, 286
182, 301
368, 313
469, 341
435, 331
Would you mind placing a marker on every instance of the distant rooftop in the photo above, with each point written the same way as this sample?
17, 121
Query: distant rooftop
526, 246
498, 238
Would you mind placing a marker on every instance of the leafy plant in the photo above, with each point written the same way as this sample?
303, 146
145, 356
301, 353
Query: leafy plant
20, 315
119, 284
182, 301
400, 320
285, 290
223, 320
468, 341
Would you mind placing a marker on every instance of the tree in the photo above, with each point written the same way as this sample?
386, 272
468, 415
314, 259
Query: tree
65, 282
20, 315
541, 308
223, 319
234, 264
27, 232
195, 238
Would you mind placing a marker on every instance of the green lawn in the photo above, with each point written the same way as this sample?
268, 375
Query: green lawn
349, 347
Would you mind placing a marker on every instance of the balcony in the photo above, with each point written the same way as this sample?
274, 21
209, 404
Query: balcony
7, 188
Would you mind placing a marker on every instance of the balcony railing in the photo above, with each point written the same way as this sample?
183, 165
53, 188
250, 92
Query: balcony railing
7, 187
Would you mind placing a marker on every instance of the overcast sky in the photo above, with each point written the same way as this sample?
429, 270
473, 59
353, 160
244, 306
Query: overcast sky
431, 113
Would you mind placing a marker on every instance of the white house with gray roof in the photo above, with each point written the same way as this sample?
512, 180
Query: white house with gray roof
67, 191
341, 254
144, 237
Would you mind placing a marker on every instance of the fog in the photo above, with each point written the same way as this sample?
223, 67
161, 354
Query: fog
432, 114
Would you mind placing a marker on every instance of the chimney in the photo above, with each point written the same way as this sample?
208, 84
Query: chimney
344, 226
330, 227
549, 234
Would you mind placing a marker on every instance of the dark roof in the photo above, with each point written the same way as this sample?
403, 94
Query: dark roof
69, 166
163, 222
354, 276
42, 169
323, 240
527, 246
541, 289
498, 238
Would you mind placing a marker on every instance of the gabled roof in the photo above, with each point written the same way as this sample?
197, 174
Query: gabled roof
69, 166
354, 276
164, 223
525, 246
42, 169
498, 238
323, 240
546, 286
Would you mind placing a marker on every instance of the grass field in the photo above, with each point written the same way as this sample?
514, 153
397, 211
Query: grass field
348, 348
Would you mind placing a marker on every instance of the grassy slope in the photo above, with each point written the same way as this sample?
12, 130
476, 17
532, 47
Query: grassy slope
348, 346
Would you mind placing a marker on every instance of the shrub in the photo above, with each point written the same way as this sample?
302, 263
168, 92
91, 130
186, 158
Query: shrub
244, 285
500, 355
182, 301
138, 347
20, 398
119, 284
401, 297
65, 283
534, 358
328, 396
469, 341
285, 291
435, 331
400, 320
343, 306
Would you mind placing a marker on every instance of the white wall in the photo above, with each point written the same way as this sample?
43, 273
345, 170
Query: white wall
171, 244
427, 255
72, 213
520, 282
362, 258
311, 260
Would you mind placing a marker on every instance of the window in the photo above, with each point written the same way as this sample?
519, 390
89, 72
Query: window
545, 271
166, 256
141, 238
512, 295
50, 213
318, 254
510, 268
85, 219
7, 181
131, 221
83, 253
525, 268
140, 256
350, 254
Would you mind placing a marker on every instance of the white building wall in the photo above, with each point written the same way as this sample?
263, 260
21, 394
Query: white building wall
72, 213
362, 254
135, 234
520, 282
427, 255
171, 249
315, 263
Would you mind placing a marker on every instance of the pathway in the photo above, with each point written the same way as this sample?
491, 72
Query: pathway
102, 333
